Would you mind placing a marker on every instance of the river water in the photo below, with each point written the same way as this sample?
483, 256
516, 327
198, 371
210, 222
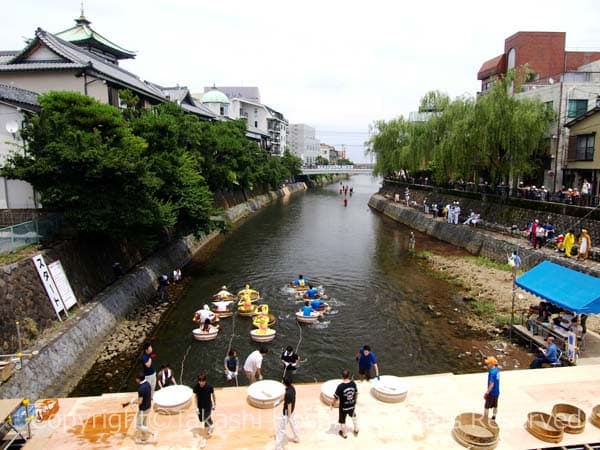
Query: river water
379, 293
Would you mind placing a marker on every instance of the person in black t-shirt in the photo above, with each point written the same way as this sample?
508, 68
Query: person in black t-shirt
205, 397
346, 393
287, 416
289, 359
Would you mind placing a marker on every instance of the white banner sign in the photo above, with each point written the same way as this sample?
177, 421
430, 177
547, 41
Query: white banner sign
62, 283
49, 285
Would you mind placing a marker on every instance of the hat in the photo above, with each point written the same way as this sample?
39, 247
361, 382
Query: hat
537, 221
223, 287
491, 360
206, 307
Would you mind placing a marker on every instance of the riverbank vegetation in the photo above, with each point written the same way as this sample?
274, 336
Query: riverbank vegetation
145, 172
496, 137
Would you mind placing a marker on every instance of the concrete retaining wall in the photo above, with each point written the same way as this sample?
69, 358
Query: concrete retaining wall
76, 340
475, 241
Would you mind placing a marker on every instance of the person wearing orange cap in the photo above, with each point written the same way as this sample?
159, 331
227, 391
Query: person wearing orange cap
493, 388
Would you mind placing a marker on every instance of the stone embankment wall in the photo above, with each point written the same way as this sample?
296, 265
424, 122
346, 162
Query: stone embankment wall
504, 211
74, 342
474, 240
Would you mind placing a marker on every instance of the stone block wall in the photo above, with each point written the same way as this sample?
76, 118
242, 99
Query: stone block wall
505, 211
89, 269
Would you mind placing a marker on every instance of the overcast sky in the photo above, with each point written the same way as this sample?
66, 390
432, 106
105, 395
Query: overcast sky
335, 65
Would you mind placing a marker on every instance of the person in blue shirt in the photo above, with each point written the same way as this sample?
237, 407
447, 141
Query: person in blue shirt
312, 292
549, 355
366, 363
317, 304
493, 388
306, 309
300, 281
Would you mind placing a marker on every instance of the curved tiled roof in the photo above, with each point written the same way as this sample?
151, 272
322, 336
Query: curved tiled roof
75, 57
19, 97
83, 34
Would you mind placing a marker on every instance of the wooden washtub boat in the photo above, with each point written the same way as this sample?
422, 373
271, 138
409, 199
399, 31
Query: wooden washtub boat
257, 336
595, 418
265, 394
570, 416
200, 335
544, 427
389, 389
172, 399
473, 431
313, 318
328, 389
247, 313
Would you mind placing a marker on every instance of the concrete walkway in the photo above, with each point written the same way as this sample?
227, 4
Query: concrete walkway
423, 421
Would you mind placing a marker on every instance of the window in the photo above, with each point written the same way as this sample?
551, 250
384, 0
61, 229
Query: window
585, 147
255, 124
512, 57
576, 108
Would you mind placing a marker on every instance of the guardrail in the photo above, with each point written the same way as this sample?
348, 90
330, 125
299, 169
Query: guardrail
16, 236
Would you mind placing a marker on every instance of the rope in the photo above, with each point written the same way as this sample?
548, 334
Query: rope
297, 347
183, 362
231, 341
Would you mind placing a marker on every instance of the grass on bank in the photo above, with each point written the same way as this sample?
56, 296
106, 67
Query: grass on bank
19, 254
489, 263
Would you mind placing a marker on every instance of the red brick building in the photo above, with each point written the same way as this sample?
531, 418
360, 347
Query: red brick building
542, 51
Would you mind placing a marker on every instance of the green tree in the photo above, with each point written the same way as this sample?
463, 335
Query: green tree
173, 155
434, 101
292, 163
83, 160
321, 161
344, 162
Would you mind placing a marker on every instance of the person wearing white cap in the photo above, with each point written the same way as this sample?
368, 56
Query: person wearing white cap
223, 293
493, 388
205, 313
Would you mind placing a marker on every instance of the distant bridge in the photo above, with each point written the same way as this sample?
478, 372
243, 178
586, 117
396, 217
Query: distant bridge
350, 170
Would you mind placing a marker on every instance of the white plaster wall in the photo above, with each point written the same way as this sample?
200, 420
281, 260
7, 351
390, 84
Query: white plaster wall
41, 82
13, 193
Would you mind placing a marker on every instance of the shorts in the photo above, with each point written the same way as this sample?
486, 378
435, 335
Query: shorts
346, 412
491, 402
366, 372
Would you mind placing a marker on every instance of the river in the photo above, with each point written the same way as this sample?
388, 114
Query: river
379, 293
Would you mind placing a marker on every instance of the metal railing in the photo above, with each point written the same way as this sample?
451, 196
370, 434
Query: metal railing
16, 236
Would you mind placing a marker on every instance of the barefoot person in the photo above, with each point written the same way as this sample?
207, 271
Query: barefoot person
346, 393
493, 388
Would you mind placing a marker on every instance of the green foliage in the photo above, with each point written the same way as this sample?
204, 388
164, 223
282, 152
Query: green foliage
434, 101
321, 161
292, 164
82, 159
344, 162
497, 137
483, 308
173, 139
142, 173
489, 263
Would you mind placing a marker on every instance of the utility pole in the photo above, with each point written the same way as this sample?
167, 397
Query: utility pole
558, 120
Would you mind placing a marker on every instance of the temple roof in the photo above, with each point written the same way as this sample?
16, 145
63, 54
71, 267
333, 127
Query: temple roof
57, 54
84, 36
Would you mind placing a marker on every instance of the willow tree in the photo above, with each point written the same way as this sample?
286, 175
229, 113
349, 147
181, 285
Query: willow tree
511, 132
387, 142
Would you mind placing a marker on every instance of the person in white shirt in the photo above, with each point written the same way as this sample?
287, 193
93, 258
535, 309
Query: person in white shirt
253, 364
205, 313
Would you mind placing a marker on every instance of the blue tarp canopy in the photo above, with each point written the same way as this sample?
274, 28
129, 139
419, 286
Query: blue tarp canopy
564, 287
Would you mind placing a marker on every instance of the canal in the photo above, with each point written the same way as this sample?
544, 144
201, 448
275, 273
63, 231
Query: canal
379, 293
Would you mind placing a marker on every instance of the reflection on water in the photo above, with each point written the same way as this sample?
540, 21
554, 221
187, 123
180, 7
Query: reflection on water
378, 292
